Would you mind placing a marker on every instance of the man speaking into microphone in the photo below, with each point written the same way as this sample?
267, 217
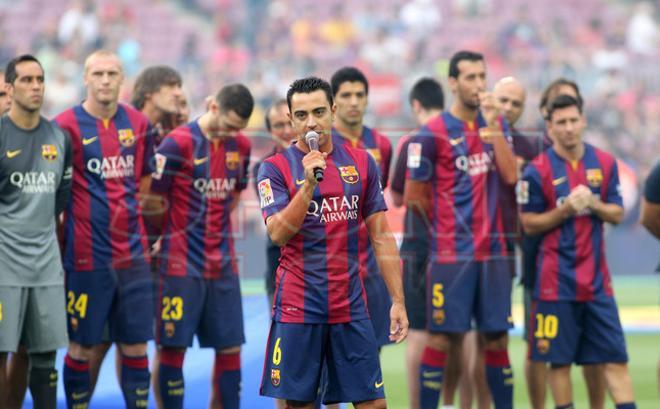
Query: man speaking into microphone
314, 202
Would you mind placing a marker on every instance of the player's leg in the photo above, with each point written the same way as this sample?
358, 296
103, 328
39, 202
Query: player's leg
225, 335
594, 378
493, 316
17, 377
454, 373
13, 305
450, 297
89, 297
561, 386
479, 380
44, 332
536, 373
180, 301
353, 366
96, 357
414, 287
465, 387
289, 374
604, 342
3, 378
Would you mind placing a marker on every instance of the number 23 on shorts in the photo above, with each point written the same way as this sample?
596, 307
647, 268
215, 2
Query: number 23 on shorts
172, 309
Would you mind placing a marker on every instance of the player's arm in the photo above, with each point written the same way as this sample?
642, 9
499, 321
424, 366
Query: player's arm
538, 223
286, 223
420, 162
505, 160
607, 212
650, 211
416, 197
397, 184
389, 262
64, 188
650, 217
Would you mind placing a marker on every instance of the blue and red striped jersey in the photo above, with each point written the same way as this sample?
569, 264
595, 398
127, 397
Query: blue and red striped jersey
319, 276
571, 263
103, 225
200, 180
465, 215
377, 144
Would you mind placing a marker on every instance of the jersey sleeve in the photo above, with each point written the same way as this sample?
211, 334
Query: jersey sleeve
421, 157
149, 148
64, 188
374, 200
529, 192
400, 167
386, 153
652, 185
167, 162
613, 194
273, 193
244, 149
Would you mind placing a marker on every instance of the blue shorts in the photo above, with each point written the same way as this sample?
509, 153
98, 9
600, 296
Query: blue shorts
379, 304
566, 332
296, 354
119, 301
456, 293
210, 308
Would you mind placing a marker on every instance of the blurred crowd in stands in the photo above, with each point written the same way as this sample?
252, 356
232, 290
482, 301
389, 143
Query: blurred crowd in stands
610, 47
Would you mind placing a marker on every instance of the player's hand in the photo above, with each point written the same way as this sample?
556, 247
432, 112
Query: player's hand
155, 248
489, 108
579, 198
311, 161
398, 322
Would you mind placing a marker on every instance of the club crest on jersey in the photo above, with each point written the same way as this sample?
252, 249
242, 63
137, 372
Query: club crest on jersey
594, 177
275, 377
74, 323
126, 137
49, 152
232, 160
543, 346
438, 317
169, 329
375, 153
349, 174
266, 193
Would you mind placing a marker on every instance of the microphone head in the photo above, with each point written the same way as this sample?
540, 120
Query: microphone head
311, 135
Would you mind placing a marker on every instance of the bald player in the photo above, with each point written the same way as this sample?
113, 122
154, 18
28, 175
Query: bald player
105, 244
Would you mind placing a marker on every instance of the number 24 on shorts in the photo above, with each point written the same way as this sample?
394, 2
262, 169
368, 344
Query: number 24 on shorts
76, 304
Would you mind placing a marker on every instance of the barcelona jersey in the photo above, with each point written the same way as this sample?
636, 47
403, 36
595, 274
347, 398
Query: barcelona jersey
104, 227
373, 142
466, 218
200, 180
571, 263
319, 276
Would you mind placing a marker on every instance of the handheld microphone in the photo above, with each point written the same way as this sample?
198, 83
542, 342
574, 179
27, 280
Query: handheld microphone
312, 140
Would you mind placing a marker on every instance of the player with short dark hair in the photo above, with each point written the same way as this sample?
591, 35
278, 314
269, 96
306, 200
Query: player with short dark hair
106, 253
650, 211
350, 91
427, 102
567, 194
200, 170
320, 305
454, 176
35, 181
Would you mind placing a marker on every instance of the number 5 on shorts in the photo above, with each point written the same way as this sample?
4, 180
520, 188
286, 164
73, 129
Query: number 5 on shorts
277, 352
438, 296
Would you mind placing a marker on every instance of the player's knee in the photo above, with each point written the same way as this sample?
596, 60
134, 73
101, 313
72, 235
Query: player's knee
298, 404
230, 350
496, 340
133, 349
372, 404
43, 360
441, 341
560, 367
172, 356
80, 352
